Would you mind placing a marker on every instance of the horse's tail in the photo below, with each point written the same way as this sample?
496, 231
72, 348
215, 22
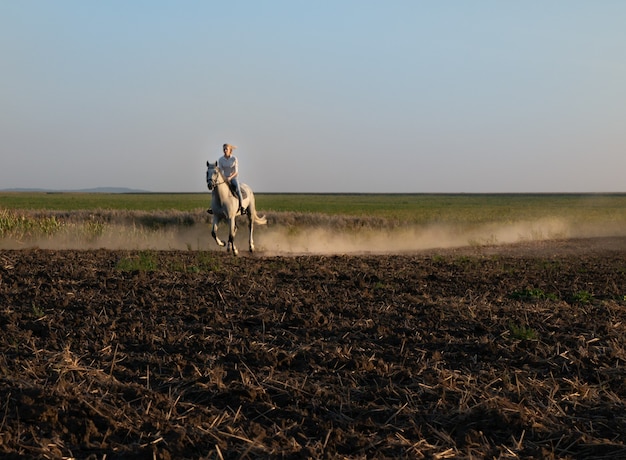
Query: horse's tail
259, 220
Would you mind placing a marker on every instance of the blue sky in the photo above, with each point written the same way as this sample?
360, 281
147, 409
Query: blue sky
329, 96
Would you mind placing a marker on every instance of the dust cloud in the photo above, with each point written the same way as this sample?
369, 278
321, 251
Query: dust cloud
277, 239
320, 240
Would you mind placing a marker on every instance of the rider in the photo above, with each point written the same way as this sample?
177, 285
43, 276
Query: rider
229, 166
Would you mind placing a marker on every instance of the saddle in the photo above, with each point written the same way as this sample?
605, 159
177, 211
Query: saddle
233, 191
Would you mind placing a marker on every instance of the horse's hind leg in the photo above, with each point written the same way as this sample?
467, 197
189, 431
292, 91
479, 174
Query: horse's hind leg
250, 232
251, 216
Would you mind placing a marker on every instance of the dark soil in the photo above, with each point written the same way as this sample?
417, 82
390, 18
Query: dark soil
503, 352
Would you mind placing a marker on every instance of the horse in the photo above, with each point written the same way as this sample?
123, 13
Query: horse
225, 206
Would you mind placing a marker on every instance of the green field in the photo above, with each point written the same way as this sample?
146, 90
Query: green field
296, 220
410, 208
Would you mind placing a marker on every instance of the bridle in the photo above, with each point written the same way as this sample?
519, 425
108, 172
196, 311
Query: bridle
211, 184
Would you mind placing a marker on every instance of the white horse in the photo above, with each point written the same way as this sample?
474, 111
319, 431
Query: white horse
225, 206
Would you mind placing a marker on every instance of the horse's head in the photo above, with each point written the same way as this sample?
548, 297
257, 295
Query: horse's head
212, 175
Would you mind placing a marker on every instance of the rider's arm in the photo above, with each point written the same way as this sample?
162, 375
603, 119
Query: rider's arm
235, 170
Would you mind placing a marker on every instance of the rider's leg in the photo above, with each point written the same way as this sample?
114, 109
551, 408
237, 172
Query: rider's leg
235, 182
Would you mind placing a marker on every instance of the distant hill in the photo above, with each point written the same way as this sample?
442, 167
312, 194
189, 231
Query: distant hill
83, 190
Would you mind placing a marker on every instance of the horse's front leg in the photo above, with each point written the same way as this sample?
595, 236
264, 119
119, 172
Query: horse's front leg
214, 231
231, 237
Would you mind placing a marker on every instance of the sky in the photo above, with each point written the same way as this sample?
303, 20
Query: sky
337, 96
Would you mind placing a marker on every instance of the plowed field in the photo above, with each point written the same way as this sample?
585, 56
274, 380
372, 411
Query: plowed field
505, 352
